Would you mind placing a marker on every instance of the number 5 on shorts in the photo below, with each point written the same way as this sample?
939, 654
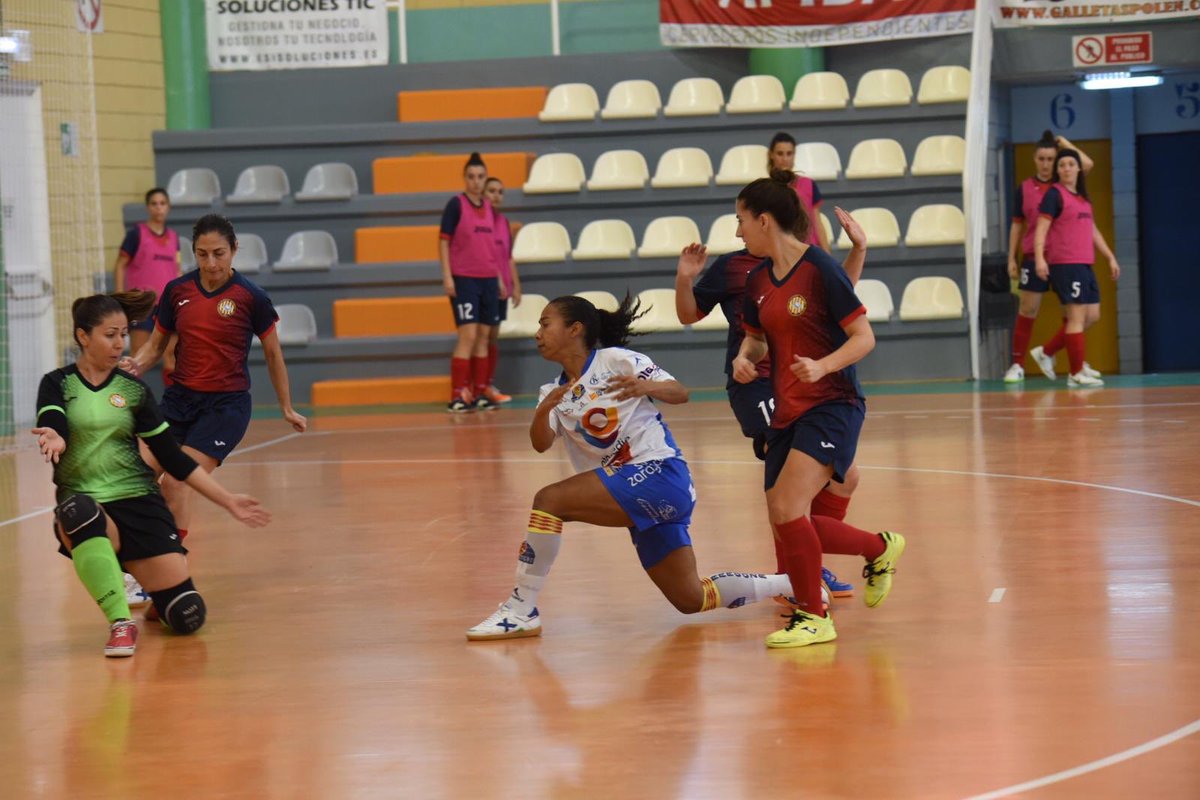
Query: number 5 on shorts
1076, 288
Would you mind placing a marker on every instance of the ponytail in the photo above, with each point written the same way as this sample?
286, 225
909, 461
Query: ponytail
88, 312
603, 328
1047, 141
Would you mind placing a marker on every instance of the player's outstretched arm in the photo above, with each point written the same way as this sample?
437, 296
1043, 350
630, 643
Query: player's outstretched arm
242, 507
857, 257
691, 263
145, 359
277, 370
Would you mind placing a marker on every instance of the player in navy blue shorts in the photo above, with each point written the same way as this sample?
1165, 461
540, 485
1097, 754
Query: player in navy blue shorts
723, 284
800, 309
630, 472
215, 311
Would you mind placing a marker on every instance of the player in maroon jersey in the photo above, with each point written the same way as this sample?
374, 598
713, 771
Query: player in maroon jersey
801, 310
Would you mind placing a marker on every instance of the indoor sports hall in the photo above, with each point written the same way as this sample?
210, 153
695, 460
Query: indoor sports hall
303, 176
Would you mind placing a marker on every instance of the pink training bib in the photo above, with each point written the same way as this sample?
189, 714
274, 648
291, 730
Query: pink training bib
473, 246
1069, 240
1032, 192
156, 262
504, 252
803, 187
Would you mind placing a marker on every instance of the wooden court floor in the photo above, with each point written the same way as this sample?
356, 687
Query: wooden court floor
1040, 641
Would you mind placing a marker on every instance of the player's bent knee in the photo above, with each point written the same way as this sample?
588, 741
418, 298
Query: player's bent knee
181, 608
81, 518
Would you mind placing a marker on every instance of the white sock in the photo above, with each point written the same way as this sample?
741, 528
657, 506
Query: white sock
537, 555
737, 589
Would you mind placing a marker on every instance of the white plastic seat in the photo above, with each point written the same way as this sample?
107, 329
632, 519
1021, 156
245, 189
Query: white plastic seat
713, 321
879, 225
251, 253
820, 91
330, 181
825, 226
938, 224
877, 158
741, 164
569, 102
187, 257
756, 94
659, 305
605, 301
666, 237
522, 321
944, 85
722, 236
618, 169
605, 239
194, 187
877, 298
682, 166
307, 250
819, 161
883, 87
554, 173
541, 242
296, 325
265, 183
635, 99
940, 155
931, 298
695, 97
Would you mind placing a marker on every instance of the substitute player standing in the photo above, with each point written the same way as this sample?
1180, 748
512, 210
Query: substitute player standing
510, 285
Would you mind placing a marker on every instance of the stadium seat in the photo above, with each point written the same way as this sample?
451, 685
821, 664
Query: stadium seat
555, 173
659, 308
522, 321
539, 242
439, 105
931, 298
265, 183
296, 325
819, 161
194, 187
605, 239
756, 94
883, 87
570, 102
722, 236
632, 100
877, 158
307, 250
824, 223
695, 97
251, 254
392, 316
940, 155
880, 226
332, 181
666, 237
605, 301
820, 91
682, 166
742, 164
875, 296
618, 169
396, 243
713, 321
944, 85
938, 224
187, 257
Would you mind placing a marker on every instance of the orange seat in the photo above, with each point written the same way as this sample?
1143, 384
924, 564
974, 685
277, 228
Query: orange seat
381, 391
441, 173
391, 316
396, 243
508, 102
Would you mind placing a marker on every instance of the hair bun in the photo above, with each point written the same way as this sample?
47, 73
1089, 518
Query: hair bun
784, 176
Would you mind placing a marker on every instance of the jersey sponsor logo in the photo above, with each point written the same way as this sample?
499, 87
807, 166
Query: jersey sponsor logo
618, 457
117, 400
226, 307
599, 427
796, 305
644, 471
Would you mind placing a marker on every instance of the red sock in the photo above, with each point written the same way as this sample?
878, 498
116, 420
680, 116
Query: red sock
1075, 350
479, 373
1022, 332
847, 540
493, 354
1056, 341
460, 375
182, 533
780, 558
802, 552
828, 504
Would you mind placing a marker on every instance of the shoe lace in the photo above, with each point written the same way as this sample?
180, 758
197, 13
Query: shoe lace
795, 618
871, 571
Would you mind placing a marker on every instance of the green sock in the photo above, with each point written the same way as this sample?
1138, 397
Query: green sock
96, 564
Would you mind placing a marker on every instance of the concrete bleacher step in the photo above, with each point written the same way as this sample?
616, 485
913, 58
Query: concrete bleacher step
396, 243
380, 391
444, 173
438, 105
391, 316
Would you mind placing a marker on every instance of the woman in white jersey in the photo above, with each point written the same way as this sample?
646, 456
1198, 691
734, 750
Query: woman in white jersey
630, 475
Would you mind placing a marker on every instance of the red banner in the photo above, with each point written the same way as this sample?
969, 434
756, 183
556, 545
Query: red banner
807, 23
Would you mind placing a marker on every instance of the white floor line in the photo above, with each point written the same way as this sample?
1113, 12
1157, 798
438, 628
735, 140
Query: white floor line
997, 595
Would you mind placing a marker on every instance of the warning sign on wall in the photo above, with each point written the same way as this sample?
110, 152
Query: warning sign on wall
1112, 49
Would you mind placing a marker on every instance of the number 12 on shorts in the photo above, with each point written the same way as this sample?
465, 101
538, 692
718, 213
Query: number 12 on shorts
466, 311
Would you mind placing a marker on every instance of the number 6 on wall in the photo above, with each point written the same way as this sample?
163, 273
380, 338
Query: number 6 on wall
1062, 115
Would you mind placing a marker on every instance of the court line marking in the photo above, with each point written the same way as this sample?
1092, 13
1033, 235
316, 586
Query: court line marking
997, 595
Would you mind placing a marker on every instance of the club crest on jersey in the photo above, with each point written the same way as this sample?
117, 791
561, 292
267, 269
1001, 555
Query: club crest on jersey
226, 308
577, 392
796, 305
117, 400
